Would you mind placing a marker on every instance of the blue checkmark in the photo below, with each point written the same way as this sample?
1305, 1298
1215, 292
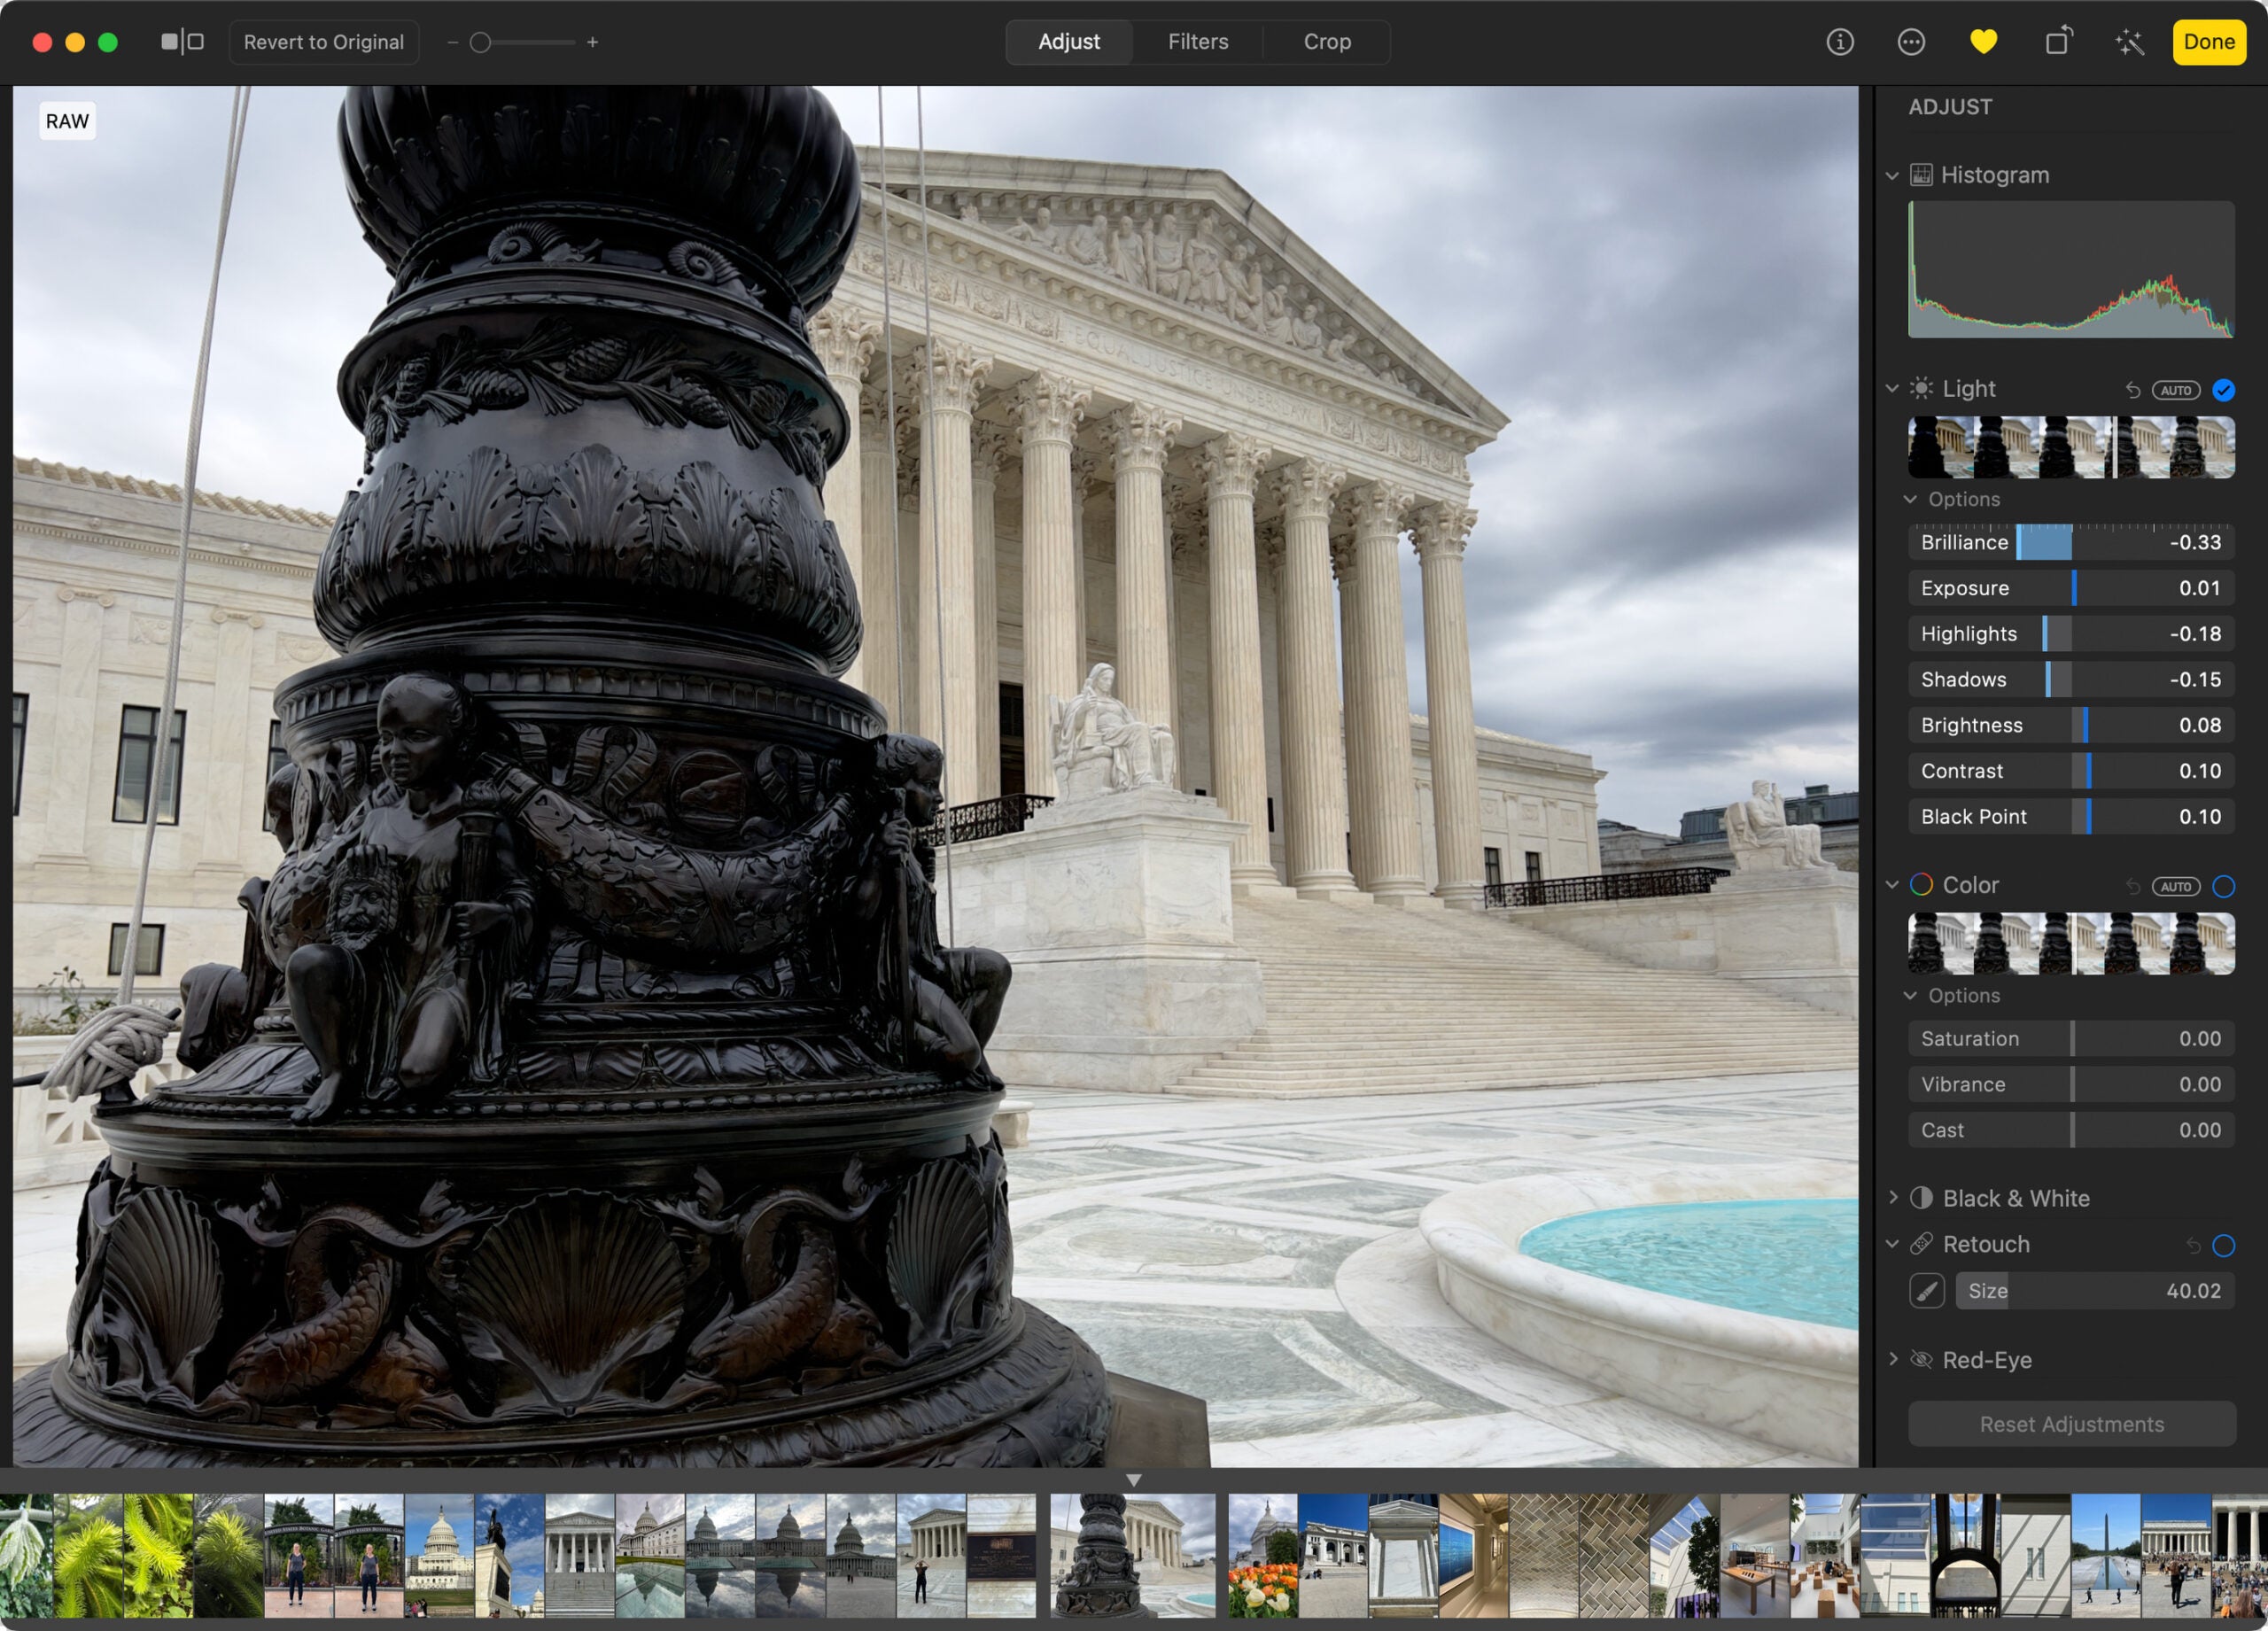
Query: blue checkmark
2224, 390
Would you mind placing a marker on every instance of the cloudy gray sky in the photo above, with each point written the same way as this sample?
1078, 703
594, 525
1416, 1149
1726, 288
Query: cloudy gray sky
734, 1516
876, 1517
1246, 1511
810, 1511
1195, 1512
626, 1509
1657, 286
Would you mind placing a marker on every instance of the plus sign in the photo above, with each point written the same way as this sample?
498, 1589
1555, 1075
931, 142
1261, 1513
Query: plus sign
592, 41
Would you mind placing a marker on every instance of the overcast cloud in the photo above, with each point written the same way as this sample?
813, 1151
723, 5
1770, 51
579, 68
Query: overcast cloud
1195, 1512
1657, 287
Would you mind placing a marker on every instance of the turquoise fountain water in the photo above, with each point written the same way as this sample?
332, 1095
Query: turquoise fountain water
1795, 1259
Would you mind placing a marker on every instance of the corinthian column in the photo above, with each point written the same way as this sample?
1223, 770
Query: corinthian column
1139, 439
1381, 771
880, 662
845, 341
945, 627
1231, 464
1314, 781
1352, 720
1048, 406
987, 448
1439, 538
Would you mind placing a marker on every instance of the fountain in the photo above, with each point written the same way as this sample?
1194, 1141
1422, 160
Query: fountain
597, 1090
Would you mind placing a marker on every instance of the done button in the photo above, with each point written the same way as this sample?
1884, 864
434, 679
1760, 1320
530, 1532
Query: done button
2213, 42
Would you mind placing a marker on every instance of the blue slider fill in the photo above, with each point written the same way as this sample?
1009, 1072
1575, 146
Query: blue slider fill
2040, 541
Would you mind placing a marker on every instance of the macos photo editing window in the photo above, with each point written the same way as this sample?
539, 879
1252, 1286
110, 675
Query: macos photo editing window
990, 792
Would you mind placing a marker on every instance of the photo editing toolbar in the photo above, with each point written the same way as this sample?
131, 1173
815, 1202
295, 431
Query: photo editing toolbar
995, 788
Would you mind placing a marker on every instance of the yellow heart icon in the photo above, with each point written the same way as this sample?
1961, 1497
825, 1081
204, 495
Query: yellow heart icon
1984, 39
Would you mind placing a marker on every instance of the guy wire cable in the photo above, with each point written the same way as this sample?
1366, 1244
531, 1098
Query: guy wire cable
936, 525
239, 109
889, 413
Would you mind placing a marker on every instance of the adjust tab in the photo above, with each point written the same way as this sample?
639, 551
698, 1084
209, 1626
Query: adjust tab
1085, 42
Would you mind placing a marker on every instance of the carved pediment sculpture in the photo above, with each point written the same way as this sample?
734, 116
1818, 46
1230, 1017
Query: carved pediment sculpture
1185, 251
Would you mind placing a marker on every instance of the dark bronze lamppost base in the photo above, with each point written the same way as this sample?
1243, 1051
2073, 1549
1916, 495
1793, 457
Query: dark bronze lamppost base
1042, 1400
595, 1088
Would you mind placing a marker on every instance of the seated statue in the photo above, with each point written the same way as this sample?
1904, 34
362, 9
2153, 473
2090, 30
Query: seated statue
1757, 831
1098, 745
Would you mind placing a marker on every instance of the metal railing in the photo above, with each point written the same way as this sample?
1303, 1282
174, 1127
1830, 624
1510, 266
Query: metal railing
1652, 885
986, 818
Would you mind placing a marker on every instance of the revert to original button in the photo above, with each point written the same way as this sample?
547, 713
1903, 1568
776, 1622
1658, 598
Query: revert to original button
1084, 42
286, 42
2117, 1424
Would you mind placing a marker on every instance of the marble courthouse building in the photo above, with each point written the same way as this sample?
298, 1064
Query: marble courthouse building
1153, 428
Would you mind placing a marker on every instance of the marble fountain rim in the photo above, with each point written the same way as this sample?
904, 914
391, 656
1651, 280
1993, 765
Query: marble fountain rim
1474, 1235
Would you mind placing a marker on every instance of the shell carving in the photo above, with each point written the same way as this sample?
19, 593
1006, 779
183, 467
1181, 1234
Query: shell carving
162, 1291
569, 1290
937, 1259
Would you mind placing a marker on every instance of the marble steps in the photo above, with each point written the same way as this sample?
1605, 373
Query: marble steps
1375, 1001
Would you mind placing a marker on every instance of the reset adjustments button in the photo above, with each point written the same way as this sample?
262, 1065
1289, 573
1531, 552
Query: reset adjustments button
2032, 1424
312, 42
1084, 43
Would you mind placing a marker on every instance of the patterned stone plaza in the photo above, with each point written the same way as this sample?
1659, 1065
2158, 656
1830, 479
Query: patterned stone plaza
1272, 1264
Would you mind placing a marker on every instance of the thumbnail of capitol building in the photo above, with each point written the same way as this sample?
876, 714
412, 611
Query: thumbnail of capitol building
851, 1560
441, 1566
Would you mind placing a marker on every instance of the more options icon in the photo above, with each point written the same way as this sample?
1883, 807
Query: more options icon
1912, 42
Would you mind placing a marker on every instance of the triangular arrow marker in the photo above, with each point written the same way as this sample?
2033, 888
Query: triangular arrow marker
1133, 1478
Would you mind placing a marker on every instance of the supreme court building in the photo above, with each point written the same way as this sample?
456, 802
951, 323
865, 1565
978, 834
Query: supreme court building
939, 1534
1155, 429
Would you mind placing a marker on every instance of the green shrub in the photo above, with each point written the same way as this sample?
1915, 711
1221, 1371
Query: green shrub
227, 1571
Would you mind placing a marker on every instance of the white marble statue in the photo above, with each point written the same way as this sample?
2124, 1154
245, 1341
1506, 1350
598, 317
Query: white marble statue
1757, 833
1098, 745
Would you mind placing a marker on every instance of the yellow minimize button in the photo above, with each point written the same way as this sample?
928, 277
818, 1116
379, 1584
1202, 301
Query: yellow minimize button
2209, 43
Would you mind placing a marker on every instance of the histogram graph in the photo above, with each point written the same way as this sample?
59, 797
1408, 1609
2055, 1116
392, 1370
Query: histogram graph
2070, 270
